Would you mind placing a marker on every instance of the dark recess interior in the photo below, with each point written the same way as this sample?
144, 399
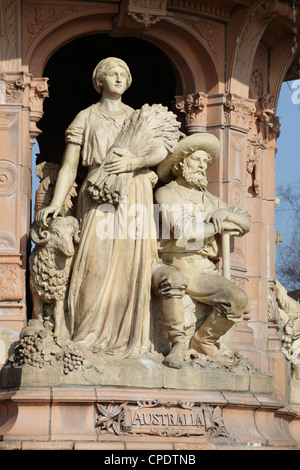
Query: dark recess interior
70, 83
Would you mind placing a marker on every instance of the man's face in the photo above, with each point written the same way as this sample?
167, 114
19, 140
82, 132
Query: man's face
194, 168
198, 161
115, 81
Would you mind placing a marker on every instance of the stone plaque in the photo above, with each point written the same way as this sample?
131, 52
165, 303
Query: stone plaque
153, 417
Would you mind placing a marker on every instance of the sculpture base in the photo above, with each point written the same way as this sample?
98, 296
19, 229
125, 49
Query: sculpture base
116, 418
57, 396
43, 359
147, 372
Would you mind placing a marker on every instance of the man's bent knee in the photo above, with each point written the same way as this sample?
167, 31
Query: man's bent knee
238, 303
168, 281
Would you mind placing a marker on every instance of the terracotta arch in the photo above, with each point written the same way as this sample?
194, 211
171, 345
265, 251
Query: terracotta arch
190, 58
282, 58
246, 33
53, 35
193, 62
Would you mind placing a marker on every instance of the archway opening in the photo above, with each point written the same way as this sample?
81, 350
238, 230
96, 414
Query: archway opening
69, 71
70, 83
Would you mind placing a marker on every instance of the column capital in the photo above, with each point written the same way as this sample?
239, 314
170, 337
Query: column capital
238, 111
194, 108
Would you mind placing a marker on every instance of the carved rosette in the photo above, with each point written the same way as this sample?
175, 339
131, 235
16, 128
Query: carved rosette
160, 418
194, 109
8, 178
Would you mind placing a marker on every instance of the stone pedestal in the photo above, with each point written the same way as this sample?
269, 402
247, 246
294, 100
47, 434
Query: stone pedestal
106, 418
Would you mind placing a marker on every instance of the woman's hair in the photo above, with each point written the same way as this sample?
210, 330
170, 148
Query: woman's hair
102, 69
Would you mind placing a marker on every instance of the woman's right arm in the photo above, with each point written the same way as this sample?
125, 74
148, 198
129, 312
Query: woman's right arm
65, 180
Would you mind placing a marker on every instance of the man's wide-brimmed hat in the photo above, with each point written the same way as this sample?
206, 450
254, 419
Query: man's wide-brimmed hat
200, 141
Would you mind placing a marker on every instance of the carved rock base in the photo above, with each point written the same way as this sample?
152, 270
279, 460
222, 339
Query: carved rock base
148, 372
42, 359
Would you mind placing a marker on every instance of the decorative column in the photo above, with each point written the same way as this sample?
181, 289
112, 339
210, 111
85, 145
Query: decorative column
21, 101
262, 148
234, 118
193, 112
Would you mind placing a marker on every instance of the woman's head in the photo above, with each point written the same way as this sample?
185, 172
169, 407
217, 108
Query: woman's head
103, 68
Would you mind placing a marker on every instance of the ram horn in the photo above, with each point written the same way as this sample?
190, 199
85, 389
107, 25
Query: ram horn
38, 235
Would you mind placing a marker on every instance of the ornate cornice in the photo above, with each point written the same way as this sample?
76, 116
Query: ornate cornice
194, 7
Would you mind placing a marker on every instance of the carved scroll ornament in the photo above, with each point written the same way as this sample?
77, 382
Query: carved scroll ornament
139, 15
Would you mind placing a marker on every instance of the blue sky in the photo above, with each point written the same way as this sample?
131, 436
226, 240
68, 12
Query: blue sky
287, 158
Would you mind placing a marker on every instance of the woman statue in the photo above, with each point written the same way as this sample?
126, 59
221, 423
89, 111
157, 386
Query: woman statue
109, 293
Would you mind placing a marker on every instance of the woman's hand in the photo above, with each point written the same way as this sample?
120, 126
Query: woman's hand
123, 161
43, 214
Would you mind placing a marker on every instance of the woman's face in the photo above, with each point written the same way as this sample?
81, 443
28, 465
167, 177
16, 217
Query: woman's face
114, 82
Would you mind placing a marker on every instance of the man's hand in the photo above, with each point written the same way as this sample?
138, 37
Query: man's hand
231, 229
217, 218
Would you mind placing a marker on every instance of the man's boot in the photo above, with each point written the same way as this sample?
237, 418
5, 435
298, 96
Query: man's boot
204, 339
173, 322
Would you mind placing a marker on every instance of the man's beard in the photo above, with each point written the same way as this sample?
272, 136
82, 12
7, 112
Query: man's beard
196, 179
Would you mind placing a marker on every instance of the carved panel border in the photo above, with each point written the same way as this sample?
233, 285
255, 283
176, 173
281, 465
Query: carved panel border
160, 418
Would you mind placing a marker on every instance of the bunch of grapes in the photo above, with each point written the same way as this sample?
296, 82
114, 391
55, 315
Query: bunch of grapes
28, 351
73, 359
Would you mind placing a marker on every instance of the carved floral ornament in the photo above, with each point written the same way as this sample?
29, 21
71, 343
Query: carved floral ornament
139, 14
237, 111
193, 107
10, 282
160, 418
13, 86
22, 88
40, 16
